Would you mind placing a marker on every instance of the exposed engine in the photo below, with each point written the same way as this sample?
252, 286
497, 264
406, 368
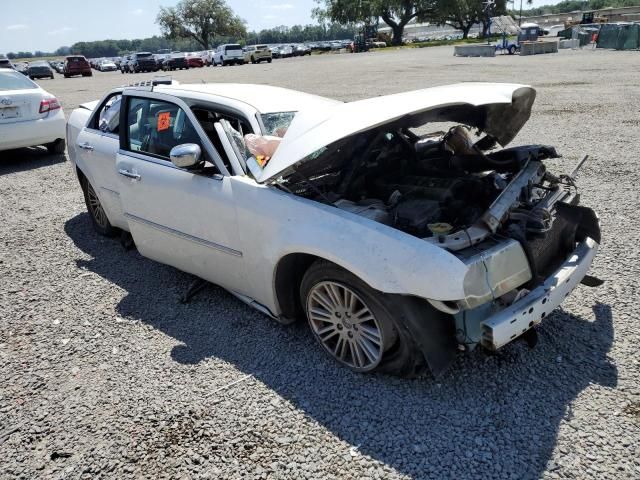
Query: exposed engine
425, 186
445, 188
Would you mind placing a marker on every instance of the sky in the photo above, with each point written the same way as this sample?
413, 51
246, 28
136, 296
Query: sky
29, 25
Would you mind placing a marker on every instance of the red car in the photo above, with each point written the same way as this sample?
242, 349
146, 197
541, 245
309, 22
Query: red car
195, 62
77, 65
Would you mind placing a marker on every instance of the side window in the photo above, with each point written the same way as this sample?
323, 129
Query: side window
108, 118
155, 127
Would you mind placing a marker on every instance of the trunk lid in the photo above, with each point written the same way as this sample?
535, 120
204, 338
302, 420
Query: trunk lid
499, 110
20, 105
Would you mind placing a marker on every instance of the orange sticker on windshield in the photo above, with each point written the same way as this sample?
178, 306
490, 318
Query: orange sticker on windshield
164, 121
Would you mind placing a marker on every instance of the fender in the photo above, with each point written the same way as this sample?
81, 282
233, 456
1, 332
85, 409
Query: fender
386, 259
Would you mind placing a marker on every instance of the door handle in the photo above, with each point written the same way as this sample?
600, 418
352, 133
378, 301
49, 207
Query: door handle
128, 174
86, 146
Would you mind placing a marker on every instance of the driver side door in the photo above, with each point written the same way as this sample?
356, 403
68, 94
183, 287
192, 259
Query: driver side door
184, 218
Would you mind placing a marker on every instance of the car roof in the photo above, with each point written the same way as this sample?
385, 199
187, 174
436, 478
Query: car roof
264, 98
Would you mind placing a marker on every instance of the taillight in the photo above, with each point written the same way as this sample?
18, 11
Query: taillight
48, 104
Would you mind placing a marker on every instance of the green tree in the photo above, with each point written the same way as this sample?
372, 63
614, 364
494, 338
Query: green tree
460, 14
200, 20
395, 13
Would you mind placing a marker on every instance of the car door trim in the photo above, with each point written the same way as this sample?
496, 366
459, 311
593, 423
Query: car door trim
185, 236
164, 163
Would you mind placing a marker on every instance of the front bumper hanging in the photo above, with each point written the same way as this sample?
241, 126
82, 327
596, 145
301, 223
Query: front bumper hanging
513, 321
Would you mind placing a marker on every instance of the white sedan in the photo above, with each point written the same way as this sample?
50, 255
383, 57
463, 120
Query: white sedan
29, 116
401, 246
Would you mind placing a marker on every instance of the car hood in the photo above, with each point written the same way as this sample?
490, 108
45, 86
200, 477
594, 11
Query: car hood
498, 109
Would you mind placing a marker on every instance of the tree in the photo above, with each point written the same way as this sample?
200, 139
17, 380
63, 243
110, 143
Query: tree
460, 14
395, 13
200, 20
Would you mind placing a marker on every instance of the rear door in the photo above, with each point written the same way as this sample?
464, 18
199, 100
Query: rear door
97, 145
184, 218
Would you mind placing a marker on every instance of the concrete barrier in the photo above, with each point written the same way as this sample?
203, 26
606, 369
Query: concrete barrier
537, 48
573, 43
474, 51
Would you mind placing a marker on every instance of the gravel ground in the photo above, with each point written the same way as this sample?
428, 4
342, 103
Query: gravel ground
104, 374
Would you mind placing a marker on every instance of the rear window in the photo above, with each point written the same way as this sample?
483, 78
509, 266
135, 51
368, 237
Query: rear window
232, 47
76, 59
261, 47
15, 81
144, 55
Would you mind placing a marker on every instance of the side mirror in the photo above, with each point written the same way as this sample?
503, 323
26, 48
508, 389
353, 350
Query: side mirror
186, 155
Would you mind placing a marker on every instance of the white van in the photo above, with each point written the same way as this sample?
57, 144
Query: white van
228, 54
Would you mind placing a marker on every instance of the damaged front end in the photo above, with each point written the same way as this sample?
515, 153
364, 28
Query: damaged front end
516, 226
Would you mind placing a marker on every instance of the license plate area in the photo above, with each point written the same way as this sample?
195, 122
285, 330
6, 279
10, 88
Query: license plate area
9, 112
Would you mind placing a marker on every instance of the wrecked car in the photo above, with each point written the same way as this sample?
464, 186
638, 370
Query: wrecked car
401, 244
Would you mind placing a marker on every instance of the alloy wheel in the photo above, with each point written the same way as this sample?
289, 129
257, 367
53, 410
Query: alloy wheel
97, 212
345, 326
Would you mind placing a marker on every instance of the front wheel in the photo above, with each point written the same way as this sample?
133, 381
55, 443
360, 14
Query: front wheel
347, 317
512, 50
98, 216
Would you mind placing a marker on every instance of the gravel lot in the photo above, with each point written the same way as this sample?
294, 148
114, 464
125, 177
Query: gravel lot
104, 374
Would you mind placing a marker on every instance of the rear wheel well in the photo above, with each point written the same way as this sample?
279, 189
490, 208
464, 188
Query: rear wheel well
289, 272
81, 177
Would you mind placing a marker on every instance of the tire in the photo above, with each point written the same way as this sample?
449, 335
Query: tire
222, 63
98, 216
268, 60
375, 344
253, 60
57, 147
512, 50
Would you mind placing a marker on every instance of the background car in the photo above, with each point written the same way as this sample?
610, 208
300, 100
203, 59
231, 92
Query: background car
124, 64
301, 50
6, 63
286, 51
208, 58
228, 54
39, 70
77, 65
257, 54
194, 60
23, 68
275, 51
142, 62
29, 115
106, 65
175, 61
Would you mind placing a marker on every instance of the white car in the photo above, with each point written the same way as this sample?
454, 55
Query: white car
228, 54
107, 66
29, 116
400, 249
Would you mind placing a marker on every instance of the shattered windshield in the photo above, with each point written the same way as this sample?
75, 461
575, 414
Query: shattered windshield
276, 124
